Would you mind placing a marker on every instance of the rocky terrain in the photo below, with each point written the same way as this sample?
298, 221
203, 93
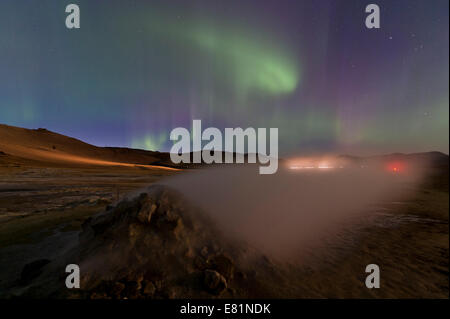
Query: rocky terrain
158, 245
153, 246
134, 238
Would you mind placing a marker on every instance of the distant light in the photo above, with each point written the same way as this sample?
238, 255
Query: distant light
311, 167
396, 167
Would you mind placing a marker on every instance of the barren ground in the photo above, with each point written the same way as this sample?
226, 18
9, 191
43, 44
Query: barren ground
50, 184
42, 209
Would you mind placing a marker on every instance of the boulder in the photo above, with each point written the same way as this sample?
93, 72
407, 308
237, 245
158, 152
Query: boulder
214, 282
32, 270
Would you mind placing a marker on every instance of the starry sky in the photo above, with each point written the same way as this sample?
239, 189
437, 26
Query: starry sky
137, 69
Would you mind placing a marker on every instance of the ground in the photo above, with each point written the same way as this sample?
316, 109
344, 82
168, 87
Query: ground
39, 204
50, 185
42, 209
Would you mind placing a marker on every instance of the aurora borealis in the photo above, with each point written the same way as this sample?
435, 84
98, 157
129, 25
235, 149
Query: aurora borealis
137, 69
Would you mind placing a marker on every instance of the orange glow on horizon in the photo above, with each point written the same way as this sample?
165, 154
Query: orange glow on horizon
396, 167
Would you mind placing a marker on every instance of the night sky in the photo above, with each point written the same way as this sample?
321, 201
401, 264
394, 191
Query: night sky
137, 69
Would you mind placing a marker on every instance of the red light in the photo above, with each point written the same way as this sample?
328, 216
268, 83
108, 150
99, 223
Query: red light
396, 167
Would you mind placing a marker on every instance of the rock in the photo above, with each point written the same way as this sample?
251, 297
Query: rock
223, 265
150, 249
148, 288
32, 270
178, 229
199, 263
171, 216
168, 293
131, 290
117, 289
189, 253
159, 284
146, 212
204, 251
99, 295
214, 282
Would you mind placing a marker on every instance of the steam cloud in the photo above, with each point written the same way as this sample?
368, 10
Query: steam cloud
285, 213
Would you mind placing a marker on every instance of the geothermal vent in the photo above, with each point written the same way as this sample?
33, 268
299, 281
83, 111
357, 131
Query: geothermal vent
155, 245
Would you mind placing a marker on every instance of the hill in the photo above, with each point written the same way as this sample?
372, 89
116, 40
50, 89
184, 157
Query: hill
42, 145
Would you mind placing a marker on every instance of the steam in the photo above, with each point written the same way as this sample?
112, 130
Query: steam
288, 212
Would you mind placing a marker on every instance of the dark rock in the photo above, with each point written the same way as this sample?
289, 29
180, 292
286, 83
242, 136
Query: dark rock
148, 288
223, 265
167, 293
204, 251
146, 212
117, 289
214, 282
99, 295
131, 290
199, 263
32, 270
